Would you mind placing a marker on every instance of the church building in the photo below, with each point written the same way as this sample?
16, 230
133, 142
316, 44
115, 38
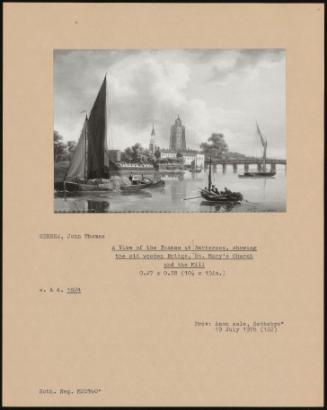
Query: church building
177, 136
152, 145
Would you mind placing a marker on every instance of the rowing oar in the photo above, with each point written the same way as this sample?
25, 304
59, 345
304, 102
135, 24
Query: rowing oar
192, 197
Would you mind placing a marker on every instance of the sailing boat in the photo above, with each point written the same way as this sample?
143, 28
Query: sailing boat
89, 167
213, 195
263, 173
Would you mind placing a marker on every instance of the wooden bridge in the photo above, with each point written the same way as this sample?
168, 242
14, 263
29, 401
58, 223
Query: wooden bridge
246, 162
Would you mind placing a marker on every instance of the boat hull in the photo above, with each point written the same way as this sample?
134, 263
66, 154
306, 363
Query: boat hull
222, 197
133, 188
97, 187
156, 184
257, 175
83, 187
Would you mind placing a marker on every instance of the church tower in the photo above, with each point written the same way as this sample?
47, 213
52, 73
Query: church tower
152, 145
177, 136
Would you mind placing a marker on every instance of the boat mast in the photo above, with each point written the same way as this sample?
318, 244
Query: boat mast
86, 147
106, 148
264, 156
264, 144
209, 176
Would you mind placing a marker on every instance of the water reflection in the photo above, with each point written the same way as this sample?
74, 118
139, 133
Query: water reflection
79, 205
260, 195
220, 207
177, 192
264, 188
144, 194
172, 176
97, 206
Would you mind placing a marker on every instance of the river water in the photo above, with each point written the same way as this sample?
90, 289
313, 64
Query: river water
260, 195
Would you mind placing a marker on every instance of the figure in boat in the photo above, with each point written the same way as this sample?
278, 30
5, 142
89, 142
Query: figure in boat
212, 194
263, 172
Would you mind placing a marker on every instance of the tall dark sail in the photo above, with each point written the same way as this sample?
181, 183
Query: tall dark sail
97, 132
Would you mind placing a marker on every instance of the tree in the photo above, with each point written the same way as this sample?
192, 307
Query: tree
136, 153
59, 148
216, 147
127, 155
71, 146
157, 154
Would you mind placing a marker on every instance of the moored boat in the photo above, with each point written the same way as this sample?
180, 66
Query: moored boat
262, 173
153, 184
96, 187
133, 187
213, 195
266, 174
224, 196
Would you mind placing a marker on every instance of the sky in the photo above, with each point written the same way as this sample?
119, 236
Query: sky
212, 90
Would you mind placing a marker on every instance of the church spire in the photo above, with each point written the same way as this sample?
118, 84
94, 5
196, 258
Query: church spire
152, 146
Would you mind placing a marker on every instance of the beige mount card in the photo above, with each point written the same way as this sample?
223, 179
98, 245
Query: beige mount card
163, 204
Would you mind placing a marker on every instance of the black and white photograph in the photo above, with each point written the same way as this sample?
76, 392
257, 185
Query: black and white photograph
174, 255
169, 130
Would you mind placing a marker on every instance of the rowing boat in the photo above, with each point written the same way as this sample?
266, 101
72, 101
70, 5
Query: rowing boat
219, 197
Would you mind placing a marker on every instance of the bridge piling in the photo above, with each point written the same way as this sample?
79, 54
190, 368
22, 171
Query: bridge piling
271, 164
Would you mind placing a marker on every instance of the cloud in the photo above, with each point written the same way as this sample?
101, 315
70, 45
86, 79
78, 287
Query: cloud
154, 90
146, 86
231, 63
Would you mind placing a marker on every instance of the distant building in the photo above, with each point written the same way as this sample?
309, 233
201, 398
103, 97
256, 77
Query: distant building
152, 145
190, 157
177, 136
167, 153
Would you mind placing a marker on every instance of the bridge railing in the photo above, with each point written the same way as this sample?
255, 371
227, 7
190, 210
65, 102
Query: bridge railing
249, 161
